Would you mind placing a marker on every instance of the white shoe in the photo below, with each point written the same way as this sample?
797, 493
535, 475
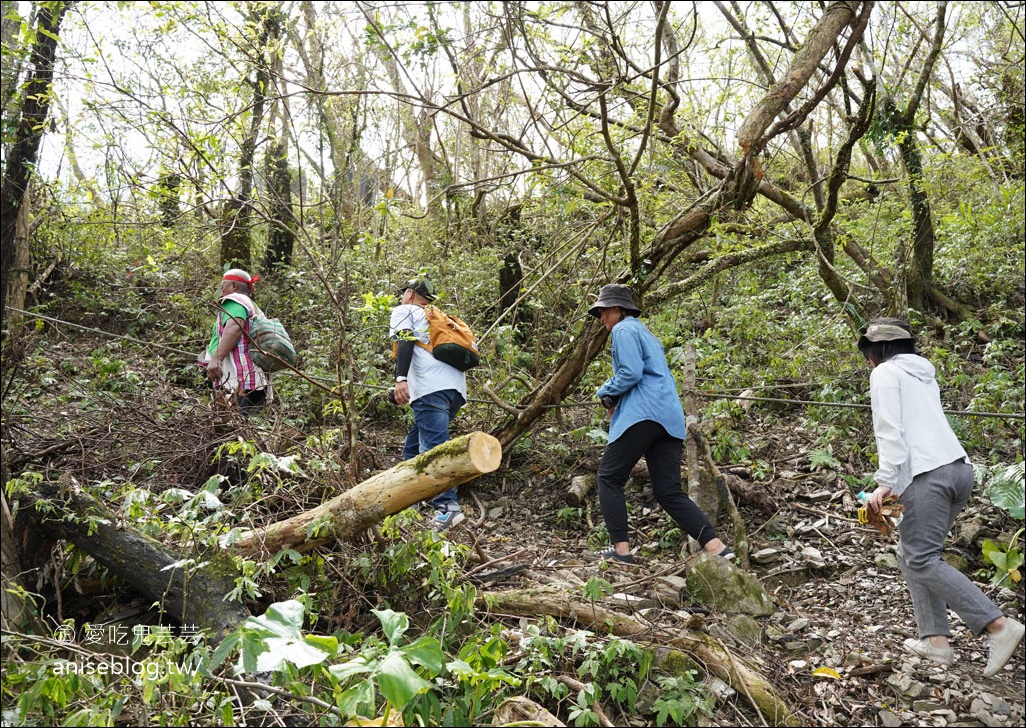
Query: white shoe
1002, 645
925, 648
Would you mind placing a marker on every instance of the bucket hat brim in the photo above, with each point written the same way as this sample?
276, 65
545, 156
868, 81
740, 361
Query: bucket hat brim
883, 331
614, 295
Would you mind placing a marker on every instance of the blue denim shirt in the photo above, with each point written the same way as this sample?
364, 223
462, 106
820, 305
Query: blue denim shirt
643, 380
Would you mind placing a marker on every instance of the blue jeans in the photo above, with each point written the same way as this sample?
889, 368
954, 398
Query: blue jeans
431, 416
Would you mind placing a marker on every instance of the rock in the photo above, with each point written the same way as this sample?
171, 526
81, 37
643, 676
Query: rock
668, 590
968, 531
997, 704
797, 625
956, 561
719, 688
981, 710
889, 719
778, 526
765, 556
813, 557
721, 586
927, 706
886, 560
744, 629
821, 495
632, 601
674, 662
905, 686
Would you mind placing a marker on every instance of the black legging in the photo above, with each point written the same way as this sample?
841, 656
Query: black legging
663, 455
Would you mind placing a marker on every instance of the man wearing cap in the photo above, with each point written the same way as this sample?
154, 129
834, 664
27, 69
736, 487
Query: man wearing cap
922, 463
647, 419
230, 368
434, 390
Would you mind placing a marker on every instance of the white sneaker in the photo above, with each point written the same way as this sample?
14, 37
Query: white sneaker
1002, 645
924, 648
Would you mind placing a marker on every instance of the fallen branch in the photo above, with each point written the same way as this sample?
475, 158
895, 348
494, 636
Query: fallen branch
580, 485
596, 706
717, 659
188, 588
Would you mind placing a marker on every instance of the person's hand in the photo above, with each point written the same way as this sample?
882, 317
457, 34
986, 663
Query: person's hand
214, 372
877, 498
402, 393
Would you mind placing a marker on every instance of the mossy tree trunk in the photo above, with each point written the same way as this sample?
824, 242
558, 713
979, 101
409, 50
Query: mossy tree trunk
188, 588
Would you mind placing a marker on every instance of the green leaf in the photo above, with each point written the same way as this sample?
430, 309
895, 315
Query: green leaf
280, 630
398, 682
426, 652
1007, 489
393, 624
284, 619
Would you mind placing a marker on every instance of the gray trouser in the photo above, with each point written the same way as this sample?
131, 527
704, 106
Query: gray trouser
932, 501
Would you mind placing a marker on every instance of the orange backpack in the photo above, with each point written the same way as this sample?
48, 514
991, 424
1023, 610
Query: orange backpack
450, 340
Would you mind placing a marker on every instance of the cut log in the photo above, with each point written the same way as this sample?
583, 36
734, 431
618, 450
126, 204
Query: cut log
351, 513
580, 485
716, 658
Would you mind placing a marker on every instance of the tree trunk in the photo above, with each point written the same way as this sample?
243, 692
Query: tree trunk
282, 236
356, 510
16, 613
717, 659
580, 486
818, 43
20, 265
701, 490
188, 589
236, 250
192, 588
919, 268
21, 156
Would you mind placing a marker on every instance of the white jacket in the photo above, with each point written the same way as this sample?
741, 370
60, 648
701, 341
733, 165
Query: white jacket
912, 433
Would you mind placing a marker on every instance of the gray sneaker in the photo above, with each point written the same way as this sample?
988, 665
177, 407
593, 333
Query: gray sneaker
444, 520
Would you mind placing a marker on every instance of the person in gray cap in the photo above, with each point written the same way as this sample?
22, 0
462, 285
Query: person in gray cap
647, 419
922, 463
433, 389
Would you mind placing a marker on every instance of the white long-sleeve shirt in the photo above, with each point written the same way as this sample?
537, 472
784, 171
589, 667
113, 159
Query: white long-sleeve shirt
912, 433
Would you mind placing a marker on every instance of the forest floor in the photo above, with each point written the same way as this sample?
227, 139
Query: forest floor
842, 603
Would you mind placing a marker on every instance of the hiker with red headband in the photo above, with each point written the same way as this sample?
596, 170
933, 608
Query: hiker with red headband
230, 368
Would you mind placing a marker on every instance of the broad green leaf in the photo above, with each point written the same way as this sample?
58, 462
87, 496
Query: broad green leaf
357, 666
393, 624
286, 649
1007, 490
280, 630
284, 619
426, 652
398, 682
